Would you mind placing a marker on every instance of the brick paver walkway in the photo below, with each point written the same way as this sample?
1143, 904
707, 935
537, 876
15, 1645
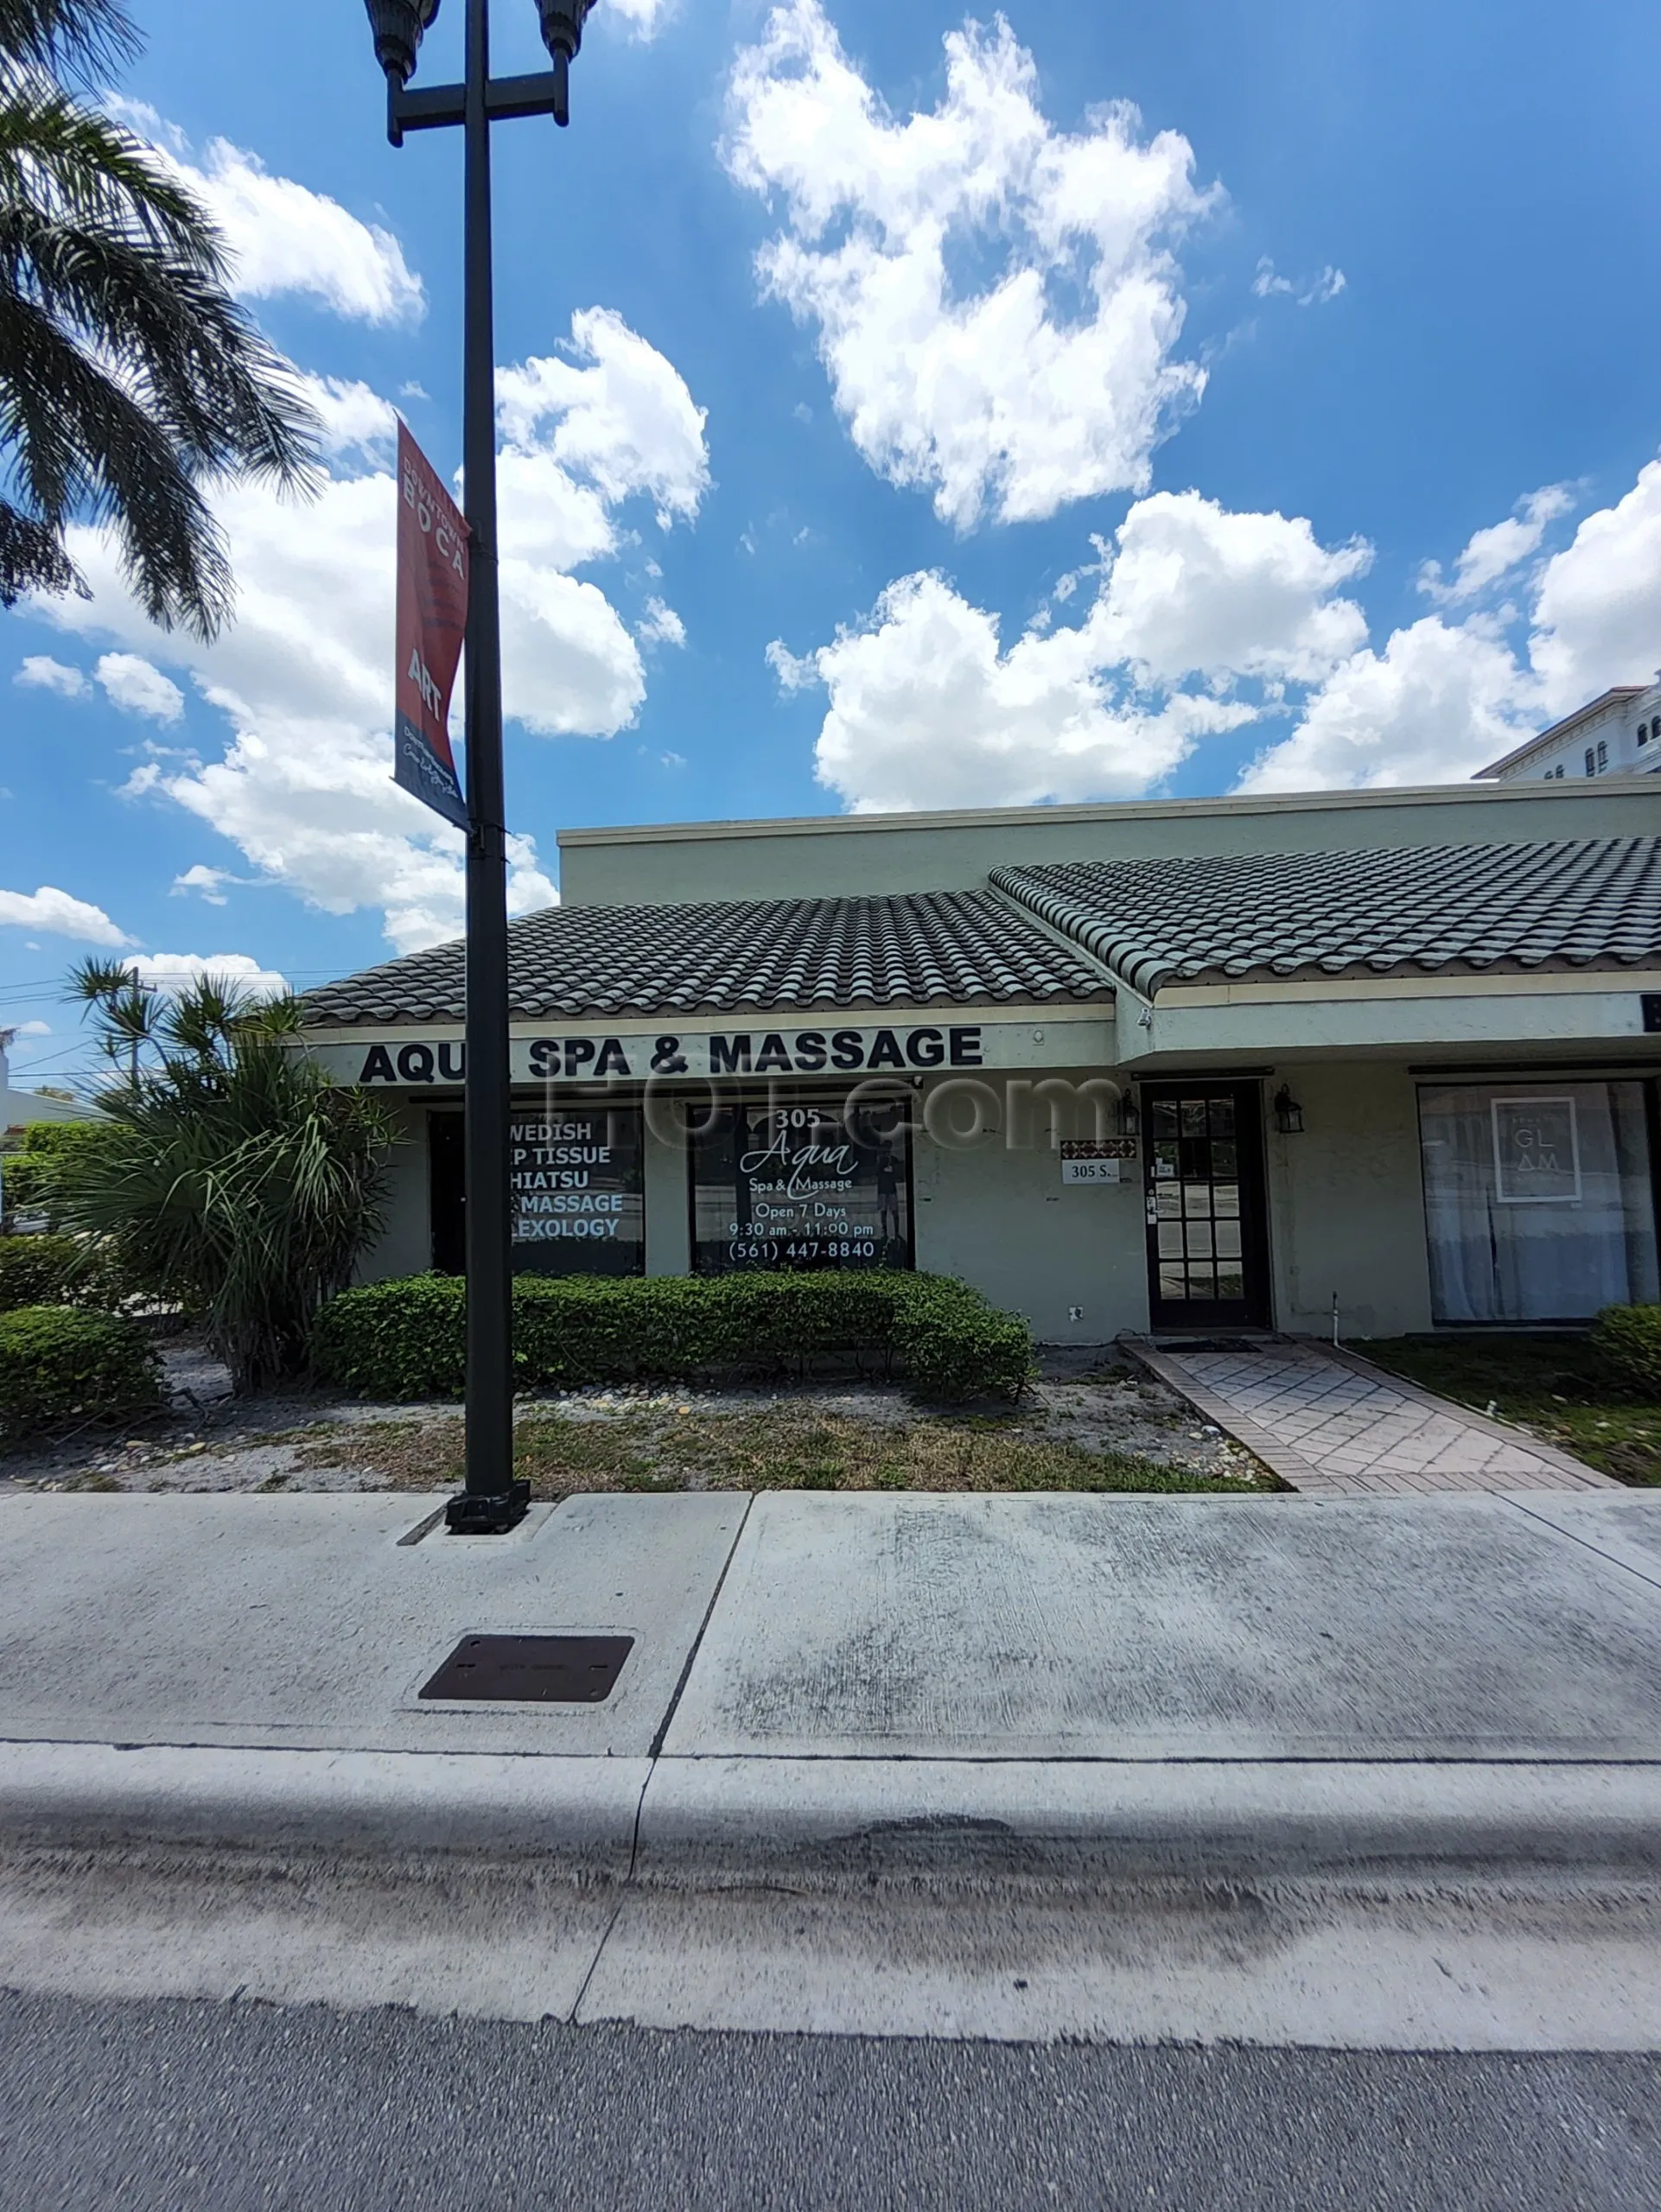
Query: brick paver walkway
1335, 1426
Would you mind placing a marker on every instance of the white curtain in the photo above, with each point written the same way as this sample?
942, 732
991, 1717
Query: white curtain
1497, 1256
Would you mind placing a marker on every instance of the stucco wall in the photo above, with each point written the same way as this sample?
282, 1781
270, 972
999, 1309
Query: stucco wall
870, 855
1346, 1205
999, 1214
405, 1247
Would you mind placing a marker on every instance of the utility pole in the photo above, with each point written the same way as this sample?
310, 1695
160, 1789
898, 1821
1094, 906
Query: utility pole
493, 1501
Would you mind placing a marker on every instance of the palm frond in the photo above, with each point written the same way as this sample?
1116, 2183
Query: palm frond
129, 380
86, 38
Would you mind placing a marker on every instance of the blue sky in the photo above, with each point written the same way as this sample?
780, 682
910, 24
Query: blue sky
1095, 401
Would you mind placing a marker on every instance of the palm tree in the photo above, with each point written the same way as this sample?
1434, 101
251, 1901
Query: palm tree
130, 381
230, 1175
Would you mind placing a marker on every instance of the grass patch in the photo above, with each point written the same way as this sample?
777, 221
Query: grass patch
1555, 1385
775, 1449
812, 1450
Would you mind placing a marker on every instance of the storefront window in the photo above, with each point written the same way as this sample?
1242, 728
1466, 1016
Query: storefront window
1537, 1200
802, 1185
579, 1202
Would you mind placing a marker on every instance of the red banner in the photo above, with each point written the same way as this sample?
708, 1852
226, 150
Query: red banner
432, 618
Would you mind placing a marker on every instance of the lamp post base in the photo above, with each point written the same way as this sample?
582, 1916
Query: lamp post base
488, 1513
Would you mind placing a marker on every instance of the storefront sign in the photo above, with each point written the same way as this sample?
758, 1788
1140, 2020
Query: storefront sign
1537, 1157
432, 615
1099, 1161
723, 1053
801, 1186
578, 1192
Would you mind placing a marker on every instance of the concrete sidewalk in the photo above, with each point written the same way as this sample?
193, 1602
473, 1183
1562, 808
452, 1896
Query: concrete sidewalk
827, 1685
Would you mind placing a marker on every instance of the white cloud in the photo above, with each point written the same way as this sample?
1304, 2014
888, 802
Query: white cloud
1496, 552
172, 973
56, 911
1307, 291
1444, 698
354, 418
1438, 703
41, 671
1597, 615
622, 418
661, 626
645, 18
1194, 588
208, 881
33, 1029
303, 675
285, 240
1044, 374
928, 708
138, 687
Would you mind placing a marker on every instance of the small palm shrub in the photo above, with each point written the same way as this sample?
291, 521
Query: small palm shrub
235, 1179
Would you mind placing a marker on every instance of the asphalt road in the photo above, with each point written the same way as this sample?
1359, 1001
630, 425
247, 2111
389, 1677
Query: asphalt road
178, 2106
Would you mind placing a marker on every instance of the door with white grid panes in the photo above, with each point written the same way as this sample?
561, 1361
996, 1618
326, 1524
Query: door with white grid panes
1207, 1242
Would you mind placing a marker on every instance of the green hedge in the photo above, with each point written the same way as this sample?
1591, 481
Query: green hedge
57, 1365
1629, 1339
405, 1338
57, 1270
29, 1176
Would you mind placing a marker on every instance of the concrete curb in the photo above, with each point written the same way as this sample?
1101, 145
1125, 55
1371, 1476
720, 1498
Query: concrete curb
574, 1815
723, 1823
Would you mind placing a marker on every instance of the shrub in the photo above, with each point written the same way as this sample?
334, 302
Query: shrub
1629, 1339
59, 1270
406, 1338
29, 1177
38, 1271
56, 1365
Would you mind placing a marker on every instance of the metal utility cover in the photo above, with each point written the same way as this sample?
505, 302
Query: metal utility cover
532, 1669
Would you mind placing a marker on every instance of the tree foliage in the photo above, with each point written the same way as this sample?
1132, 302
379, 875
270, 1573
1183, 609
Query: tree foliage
129, 380
235, 1177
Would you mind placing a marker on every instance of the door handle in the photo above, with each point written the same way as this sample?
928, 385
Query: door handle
1151, 1214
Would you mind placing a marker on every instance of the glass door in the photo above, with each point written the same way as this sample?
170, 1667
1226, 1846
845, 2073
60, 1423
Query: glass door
1207, 1241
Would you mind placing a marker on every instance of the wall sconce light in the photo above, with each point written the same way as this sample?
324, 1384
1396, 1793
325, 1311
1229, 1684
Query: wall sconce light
1288, 1114
1129, 1118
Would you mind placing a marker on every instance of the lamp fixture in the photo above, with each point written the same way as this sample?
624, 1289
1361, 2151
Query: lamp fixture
562, 26
1288, 1114
562, 34
398, 26
1129, 1115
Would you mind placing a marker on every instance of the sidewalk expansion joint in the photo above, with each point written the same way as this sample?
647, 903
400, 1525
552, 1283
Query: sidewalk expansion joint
1614, 1559
655, 1748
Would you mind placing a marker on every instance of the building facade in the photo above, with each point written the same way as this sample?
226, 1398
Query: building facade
1617, 734
1382, 1061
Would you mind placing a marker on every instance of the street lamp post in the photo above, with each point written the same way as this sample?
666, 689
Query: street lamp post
492, 1501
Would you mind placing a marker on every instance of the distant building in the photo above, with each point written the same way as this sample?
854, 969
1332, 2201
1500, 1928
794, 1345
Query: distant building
1617, 734
19, 1108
